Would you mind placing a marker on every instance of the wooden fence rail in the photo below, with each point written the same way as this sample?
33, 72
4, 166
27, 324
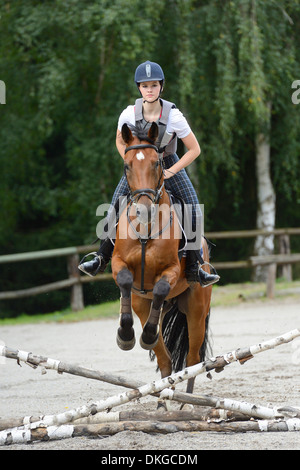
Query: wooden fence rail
75, 280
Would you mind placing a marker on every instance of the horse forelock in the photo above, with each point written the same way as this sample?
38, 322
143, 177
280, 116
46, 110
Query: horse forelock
141, 134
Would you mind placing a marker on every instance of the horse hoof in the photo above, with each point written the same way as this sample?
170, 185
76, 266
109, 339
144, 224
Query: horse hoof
149, 339
126, 345
187, 407
147, 346
163, 406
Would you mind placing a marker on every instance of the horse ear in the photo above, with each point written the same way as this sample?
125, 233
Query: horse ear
126, 134
153, 132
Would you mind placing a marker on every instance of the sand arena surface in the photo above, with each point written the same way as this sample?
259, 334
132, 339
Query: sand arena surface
270, 378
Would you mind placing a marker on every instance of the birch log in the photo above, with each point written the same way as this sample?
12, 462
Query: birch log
221, 409
218, 363
251, 410
165, 416
47, 363
42, 433
132, 415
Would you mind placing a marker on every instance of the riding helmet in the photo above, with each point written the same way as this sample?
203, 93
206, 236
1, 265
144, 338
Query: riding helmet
149, 71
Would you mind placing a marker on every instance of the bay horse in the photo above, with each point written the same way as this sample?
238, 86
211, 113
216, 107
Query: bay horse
147, 269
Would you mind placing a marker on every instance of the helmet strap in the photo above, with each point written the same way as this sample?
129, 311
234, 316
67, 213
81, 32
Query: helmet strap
145, 101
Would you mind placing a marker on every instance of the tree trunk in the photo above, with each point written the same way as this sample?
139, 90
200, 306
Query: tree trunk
264, 245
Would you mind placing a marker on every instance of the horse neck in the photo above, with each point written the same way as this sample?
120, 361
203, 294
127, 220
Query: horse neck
164, 199
164, 204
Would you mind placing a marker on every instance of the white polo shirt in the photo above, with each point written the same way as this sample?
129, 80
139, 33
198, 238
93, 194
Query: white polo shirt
176, 122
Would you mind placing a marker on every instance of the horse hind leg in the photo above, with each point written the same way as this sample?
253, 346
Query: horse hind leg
142, 307
125, 333
164, 364
198, 336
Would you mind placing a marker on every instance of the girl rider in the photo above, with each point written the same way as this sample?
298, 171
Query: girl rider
149, 79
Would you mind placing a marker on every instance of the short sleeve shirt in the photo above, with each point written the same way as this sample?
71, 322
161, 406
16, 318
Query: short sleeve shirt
176, 122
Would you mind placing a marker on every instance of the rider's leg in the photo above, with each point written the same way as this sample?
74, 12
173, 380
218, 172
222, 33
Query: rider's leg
102, 257
194, 271
181, 186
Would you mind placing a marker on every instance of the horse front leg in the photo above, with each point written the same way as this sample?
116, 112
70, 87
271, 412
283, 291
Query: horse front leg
150, 334
125, 333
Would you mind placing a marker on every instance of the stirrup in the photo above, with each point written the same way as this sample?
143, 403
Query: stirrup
81, 264
214, 273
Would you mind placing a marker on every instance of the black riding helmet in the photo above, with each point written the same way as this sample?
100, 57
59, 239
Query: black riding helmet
149, 72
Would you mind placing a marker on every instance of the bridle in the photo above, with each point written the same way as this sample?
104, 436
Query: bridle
154, 195
157, 192
139, 146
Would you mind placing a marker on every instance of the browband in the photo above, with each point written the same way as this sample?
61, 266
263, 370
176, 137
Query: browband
141, 146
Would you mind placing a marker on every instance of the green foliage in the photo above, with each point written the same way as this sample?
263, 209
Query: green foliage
68, 68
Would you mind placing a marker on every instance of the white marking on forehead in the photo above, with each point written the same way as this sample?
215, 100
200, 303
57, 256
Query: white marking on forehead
140, 156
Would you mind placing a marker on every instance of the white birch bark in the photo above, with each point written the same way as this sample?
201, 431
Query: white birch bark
252, 410
266, 201
67, 431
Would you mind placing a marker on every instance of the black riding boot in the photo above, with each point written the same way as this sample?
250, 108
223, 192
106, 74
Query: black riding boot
100, 261
194, 272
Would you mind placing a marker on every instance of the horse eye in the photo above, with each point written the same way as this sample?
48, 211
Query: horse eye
126, 167
157, 164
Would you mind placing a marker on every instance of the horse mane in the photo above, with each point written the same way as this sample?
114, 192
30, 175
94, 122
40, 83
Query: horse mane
141, 134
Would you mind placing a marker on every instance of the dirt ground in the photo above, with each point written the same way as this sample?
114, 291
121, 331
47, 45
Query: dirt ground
270, 378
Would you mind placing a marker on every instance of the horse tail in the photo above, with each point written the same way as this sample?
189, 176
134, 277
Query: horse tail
175, 335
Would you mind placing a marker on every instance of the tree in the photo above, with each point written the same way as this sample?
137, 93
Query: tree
68, 68
247, 59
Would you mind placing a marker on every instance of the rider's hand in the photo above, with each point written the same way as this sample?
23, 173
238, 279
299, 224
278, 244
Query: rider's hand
168, 174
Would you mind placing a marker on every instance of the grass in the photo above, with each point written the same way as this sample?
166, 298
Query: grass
92, 312
229, 295
233, 294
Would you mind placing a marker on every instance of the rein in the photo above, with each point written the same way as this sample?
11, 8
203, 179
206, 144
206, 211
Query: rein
134, 197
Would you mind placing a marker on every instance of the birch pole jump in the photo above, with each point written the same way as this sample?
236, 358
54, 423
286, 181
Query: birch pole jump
55, 421
221, 409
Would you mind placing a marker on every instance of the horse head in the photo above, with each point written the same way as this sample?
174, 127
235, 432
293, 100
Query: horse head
143, 170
